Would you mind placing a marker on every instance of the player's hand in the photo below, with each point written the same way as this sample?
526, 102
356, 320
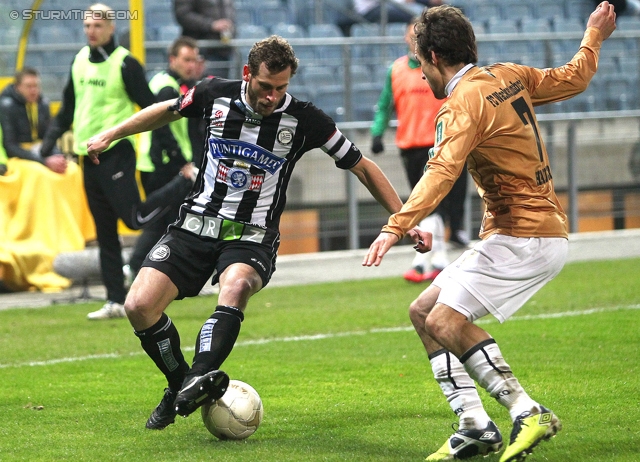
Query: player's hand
96, 145
423, 239
376, 145
378, 248
603, 18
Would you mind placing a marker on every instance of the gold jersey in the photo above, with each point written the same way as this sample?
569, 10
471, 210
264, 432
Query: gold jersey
487, 123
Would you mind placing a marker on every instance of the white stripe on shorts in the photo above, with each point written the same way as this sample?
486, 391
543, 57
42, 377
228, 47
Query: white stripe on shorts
499, 274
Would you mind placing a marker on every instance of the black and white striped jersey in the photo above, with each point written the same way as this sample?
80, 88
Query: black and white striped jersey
248, 159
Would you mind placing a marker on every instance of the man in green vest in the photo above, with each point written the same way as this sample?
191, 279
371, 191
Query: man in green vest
165, 151
105, 84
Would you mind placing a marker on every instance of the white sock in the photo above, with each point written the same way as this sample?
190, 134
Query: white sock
459, 389
485, 364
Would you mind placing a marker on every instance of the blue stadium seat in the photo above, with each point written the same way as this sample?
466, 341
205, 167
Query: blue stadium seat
366, 52
159, 15
328, 53
503, 26
516, 9
315, 76
288, 30
628, 23
364, 98
529, 53
330, 99
55, 34
547, 9
488, 52
562, 24
535, 25
580, 9
169, 32
250, 31
484, 11
620, 93
245, 16
270, 15
361, 73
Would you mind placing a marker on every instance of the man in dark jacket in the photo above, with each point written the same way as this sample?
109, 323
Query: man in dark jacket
209, 20
24, 115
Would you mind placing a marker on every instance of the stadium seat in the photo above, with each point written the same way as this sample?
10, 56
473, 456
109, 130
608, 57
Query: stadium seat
485, 11
503, 26
529, 53
55, 34
628, 23
288, 30
158, 15
535, 25
315, 76
562, 24
250, 31
169, 32
364, 98
547, 9
360, 74
270, 15
620, 93
488, 52
330, 99
366, 52
516, 9
580, 9
245, 16
327, 53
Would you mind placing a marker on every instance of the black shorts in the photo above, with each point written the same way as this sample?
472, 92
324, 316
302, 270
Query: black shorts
190, 260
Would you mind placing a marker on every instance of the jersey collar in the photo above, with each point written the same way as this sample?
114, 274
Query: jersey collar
456, 78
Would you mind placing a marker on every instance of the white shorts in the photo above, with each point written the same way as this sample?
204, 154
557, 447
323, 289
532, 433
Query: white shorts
499, 274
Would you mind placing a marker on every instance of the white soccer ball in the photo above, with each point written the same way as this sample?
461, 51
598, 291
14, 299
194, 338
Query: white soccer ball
236, 415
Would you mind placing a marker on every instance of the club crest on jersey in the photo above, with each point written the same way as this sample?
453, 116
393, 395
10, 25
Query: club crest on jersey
285, 136
187, 99
244, 151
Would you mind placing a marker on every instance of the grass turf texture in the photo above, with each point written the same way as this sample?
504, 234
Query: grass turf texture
341, 374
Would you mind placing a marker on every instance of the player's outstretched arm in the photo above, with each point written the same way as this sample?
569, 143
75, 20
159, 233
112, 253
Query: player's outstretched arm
378, 184
150, 118
603, 18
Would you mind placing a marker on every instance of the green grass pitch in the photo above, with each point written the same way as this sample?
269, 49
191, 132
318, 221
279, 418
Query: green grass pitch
340, 371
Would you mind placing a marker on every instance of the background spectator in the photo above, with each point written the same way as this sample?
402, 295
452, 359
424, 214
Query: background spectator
209, 20
25, 116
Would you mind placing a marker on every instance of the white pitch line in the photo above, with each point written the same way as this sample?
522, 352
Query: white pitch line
302, 338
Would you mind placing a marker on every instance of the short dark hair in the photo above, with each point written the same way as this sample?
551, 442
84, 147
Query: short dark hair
180, 42
446, 31
275, 52
20, 75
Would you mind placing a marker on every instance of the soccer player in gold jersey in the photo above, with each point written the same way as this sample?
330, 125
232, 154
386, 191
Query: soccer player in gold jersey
488, 124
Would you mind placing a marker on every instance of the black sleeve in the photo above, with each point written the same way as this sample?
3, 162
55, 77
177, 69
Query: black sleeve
162, 138
135, 82
193, 102
9, 121
318, 126
321, 132
63, 120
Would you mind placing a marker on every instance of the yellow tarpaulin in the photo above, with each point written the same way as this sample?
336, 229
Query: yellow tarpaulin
42, 213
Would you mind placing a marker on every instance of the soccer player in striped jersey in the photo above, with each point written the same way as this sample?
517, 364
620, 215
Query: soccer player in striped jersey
228, 226
487, 124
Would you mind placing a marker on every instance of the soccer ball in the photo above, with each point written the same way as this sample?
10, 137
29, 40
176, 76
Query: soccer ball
236, 415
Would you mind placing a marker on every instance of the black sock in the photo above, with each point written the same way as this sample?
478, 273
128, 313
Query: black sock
216, 339
162, 343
